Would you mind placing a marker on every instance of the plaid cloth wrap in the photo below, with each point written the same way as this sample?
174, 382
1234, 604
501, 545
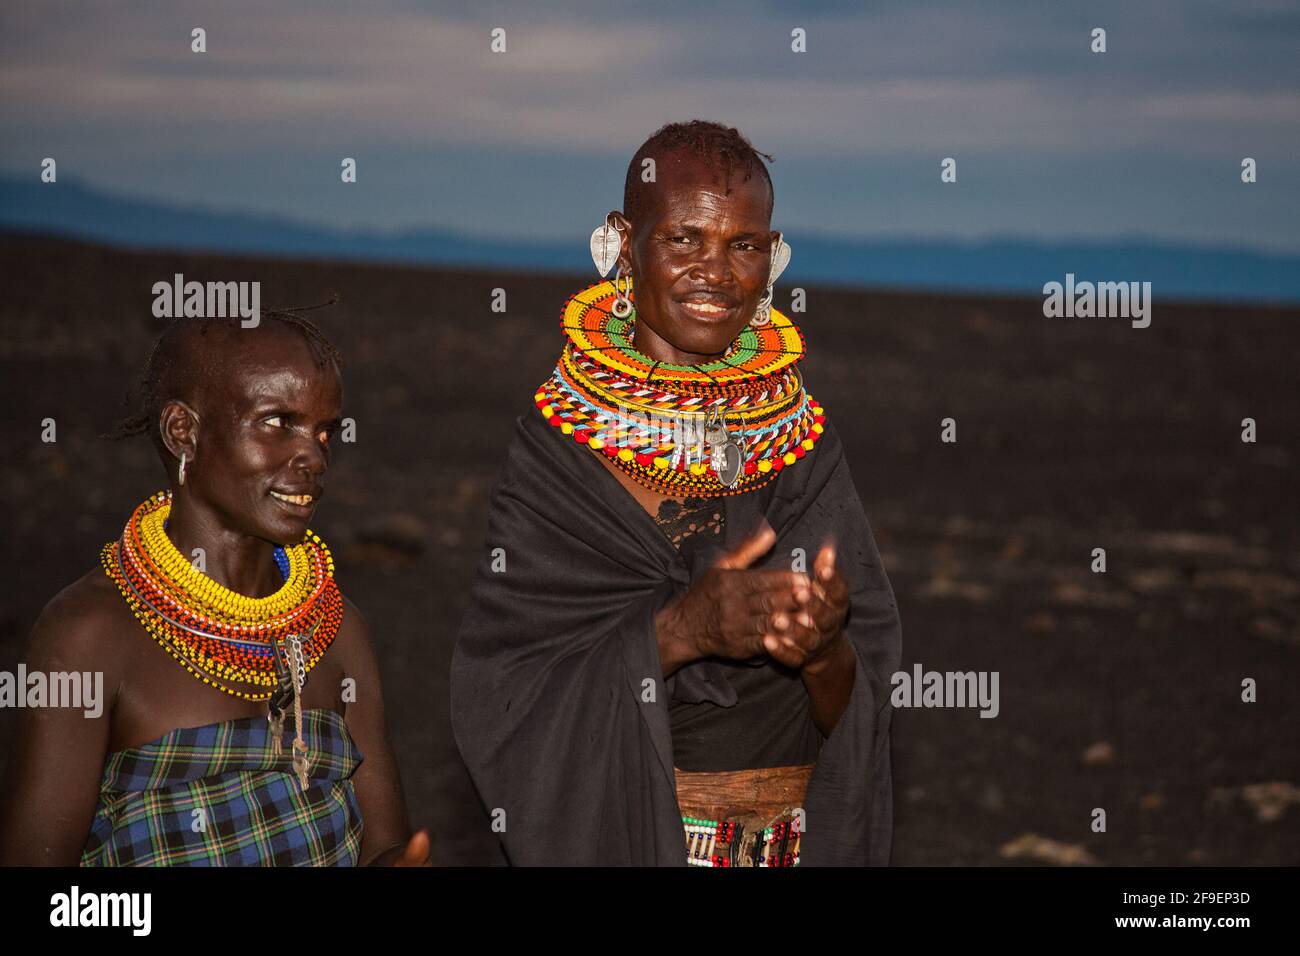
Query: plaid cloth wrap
256, 812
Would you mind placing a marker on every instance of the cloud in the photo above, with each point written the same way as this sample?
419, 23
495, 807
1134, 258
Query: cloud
897, 78
115, 89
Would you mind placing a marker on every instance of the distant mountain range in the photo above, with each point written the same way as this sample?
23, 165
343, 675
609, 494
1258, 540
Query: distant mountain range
1000, 265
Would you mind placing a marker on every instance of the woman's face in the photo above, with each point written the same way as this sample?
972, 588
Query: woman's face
699, 259
260, 449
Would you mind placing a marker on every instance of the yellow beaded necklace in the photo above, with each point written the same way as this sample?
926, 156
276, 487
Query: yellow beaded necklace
212, 598
217, 634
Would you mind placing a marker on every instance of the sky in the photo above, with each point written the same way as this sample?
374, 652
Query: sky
1052, 141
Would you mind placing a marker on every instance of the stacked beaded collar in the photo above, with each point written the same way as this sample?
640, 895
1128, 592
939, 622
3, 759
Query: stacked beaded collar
216, 634
659, 423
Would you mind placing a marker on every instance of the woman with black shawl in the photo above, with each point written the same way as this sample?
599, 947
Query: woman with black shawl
680, 629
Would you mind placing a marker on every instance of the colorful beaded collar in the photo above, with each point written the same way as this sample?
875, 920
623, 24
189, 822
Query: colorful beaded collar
219, 636
720, 428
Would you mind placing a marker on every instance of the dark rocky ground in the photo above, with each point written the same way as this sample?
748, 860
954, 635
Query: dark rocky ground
1119, 691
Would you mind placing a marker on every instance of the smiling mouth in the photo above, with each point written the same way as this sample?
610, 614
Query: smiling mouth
299, 501
706, 310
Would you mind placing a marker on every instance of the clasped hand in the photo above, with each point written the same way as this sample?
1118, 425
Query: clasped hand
736, 612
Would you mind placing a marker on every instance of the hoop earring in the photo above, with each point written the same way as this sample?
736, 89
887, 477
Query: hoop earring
763, 314
622, 306
780, 259
180, 472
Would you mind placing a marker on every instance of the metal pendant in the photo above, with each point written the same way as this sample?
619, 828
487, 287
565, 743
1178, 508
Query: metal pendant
282, 696
605, 247
726, 455
780, 259
290, 670
298, 661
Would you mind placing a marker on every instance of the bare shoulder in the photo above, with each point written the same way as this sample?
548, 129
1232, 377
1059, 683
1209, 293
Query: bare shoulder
353, 638
354, 623
83, 624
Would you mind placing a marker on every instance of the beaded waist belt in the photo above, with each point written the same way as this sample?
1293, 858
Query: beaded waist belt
743, 817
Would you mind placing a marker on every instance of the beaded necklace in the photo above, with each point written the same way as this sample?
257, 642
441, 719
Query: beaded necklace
718, 428
220, 636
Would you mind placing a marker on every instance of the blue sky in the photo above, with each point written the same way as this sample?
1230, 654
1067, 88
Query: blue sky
1052, 141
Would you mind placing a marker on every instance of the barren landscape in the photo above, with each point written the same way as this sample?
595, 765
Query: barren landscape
1119, 690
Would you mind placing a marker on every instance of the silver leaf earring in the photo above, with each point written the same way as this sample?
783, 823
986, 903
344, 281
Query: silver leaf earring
180, 472
606, 243
780, 259
622, 306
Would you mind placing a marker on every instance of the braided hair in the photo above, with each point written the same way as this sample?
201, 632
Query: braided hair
724, 145
170, 367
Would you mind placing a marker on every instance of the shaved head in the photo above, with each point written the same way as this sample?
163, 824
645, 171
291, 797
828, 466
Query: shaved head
721, 149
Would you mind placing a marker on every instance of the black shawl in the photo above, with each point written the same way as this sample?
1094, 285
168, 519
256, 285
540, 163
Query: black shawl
558, 700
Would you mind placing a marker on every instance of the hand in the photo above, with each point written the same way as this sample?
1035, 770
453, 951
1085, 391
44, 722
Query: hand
818, 626
416, 852
732, 609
